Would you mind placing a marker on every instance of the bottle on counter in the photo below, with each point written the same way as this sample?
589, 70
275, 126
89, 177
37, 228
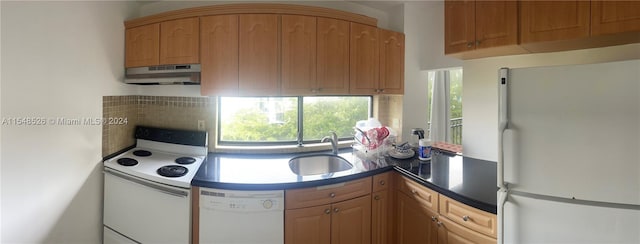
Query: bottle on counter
424, 149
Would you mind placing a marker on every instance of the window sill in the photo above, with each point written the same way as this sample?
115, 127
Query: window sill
312, 147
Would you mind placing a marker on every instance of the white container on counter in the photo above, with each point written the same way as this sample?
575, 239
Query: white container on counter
424, 149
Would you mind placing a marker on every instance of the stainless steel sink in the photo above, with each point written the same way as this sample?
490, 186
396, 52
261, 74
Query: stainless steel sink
318, 164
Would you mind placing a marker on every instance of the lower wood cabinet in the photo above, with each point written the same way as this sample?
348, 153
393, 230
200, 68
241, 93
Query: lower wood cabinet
425, 216
342, 222
414, 221
382, 207
451, 233
338, 213
385, 208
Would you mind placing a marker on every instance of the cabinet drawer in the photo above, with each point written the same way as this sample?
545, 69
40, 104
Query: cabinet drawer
467, 216
420, 193
452, 233
314, 196
382, 181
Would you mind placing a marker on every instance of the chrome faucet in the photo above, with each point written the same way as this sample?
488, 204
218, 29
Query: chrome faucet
334, 141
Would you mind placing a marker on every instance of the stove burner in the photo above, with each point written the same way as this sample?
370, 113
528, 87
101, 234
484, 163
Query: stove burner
142, 153
185, 160
172, 171
127, 161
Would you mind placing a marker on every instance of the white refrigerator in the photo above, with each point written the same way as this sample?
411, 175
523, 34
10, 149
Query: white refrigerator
569, 154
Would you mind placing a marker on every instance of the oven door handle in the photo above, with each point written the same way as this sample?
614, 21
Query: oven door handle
165, 190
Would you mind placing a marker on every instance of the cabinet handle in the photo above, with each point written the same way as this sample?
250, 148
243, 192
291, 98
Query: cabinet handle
381, 90
382, 182
314, 91
327, 211
336, 210
465, 218
478, 43
332, 195
434, 218
414, 192
376, 198
469, 44
439, 224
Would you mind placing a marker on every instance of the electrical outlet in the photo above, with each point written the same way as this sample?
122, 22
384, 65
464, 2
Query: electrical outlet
395, 123
201, 125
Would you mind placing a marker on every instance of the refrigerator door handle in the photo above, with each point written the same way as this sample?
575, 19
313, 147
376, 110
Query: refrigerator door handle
503, 124
503, 194
503, 120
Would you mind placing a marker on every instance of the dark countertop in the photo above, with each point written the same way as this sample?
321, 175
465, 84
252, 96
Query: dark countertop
467, 180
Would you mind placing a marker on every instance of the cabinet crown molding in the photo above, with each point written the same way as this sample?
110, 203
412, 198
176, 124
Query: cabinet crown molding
251, 8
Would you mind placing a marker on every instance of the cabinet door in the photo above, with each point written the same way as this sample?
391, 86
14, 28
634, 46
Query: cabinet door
259, 55
554, 20
219, 38
496, 23
308, 225
298, 54
391, 62
363, 75
351, 221
414, 221
381, 217
452, 233
179, 41
459, 26
332, 66
610, 17
142, 45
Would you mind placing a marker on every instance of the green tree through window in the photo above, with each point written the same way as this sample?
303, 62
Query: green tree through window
268, 120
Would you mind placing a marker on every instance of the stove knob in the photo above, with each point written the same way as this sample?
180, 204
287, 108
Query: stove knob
267, 204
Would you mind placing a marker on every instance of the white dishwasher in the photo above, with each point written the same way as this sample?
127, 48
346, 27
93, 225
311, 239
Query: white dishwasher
247, 217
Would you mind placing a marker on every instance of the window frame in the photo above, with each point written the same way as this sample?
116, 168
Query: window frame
300, 125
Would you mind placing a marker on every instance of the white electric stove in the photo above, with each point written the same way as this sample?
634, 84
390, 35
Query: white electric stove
147, 189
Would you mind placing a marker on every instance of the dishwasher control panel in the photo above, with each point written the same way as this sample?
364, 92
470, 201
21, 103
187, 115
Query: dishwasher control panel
226, 200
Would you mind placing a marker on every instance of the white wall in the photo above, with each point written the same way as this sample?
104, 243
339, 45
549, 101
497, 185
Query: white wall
58, 60
424, 50
480, 89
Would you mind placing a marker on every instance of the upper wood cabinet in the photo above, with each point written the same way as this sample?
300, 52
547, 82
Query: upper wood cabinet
219, 55
169, 42
298, 66
272, 49
610, 17
391, 62
142, 46
471, 25
315, 56
332, 66
258, 58
364, 59
179, 41
554, 20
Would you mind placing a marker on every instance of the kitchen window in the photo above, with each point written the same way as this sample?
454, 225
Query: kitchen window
451, 82
288, 120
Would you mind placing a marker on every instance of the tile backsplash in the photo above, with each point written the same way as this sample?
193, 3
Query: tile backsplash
154, 111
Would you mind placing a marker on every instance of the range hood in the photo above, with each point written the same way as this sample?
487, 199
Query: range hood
184, 74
